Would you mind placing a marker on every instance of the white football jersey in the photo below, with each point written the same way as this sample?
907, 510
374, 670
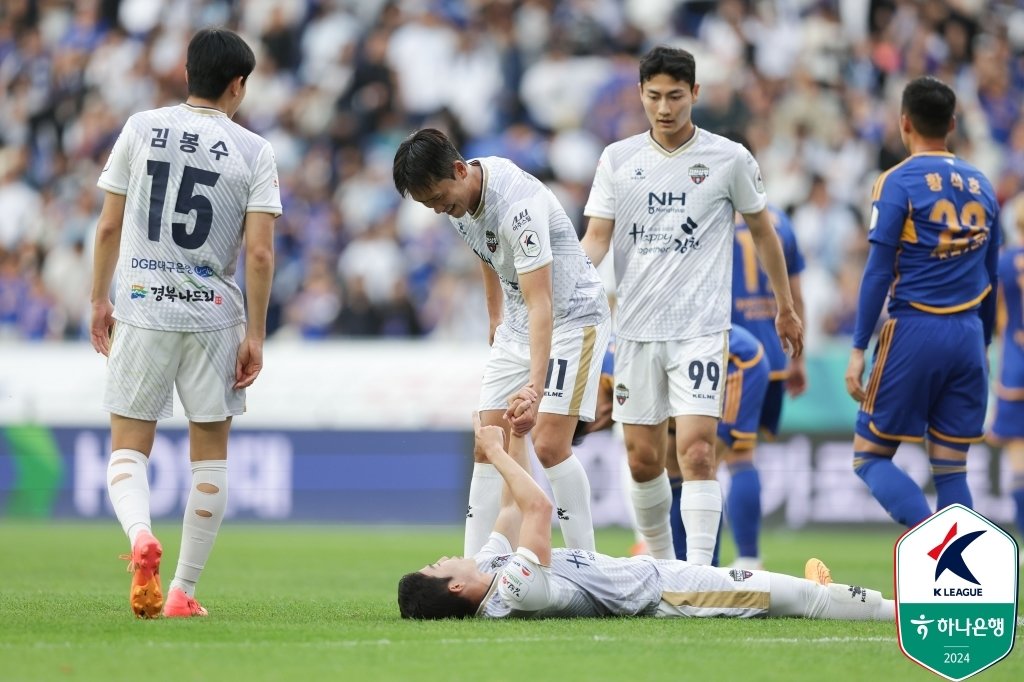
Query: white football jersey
577, 584
189, 175
672, 240
519, 227
582, 584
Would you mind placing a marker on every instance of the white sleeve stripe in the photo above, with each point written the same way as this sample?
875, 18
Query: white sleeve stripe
537, 266
113, 189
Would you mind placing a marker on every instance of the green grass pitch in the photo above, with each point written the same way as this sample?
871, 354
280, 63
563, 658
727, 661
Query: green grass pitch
318, 603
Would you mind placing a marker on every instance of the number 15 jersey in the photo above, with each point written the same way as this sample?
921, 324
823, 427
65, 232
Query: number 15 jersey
189, 175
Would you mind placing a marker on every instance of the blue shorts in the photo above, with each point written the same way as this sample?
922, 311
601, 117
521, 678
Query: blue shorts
745, 389
1009, 421
929, 378
771, 410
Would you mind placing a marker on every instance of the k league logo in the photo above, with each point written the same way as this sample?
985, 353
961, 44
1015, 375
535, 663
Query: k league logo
956, 592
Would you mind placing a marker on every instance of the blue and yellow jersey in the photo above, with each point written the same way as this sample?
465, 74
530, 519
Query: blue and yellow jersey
939, 212
1011, 314
753, 303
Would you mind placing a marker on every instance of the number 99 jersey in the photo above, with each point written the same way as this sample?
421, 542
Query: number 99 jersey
189, 175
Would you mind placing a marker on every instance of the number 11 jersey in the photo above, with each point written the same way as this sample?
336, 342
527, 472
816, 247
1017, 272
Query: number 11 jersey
189, 175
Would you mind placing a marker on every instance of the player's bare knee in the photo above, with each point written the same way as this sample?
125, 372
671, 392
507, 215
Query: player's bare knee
645, 462
698, 461
549, 451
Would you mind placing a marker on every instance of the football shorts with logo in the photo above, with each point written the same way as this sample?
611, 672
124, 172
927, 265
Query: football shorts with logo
929, 378
573, 376
655, 380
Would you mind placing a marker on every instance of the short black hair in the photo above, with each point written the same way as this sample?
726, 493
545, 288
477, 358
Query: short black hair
427, 597
929, 103
424, 158
671, 61
216, 56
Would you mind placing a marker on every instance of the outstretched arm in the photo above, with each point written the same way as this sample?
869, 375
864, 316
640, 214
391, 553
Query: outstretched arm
533, 505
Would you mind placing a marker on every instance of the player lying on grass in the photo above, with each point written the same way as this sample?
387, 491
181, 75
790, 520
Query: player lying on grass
536, 581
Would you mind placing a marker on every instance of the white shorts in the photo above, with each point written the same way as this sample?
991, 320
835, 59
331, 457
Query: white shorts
692, 591
574, 371
655, 380
145, 365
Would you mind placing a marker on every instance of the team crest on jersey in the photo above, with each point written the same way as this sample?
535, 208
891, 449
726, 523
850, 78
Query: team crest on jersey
492, 241
499, 561
739, 575
621, 394
138, 291
698, 173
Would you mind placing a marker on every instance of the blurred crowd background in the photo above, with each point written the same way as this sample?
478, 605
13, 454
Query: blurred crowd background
814, 85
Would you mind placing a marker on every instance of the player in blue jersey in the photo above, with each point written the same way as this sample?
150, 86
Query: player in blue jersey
1008, 427
934, 248
754, 308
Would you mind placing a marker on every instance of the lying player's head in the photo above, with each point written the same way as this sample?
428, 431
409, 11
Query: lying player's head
437, 591
929, 105
215, 58
674, 62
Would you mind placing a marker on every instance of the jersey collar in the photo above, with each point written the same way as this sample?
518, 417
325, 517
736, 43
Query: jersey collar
205, 111
483, 189
679, 150
487, 596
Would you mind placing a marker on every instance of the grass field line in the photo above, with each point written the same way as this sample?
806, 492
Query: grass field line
450, 641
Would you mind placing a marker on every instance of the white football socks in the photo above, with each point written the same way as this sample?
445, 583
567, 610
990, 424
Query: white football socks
484, 505
571, 489
652, 503
701, 509
128, 487
801, 598
204, 511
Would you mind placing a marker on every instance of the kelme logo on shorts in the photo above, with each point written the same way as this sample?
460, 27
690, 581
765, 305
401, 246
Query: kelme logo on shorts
956, 592
621, 393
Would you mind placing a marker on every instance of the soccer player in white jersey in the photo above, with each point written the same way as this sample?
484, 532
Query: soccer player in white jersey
185, 187
548, 311
664, 201
517, 574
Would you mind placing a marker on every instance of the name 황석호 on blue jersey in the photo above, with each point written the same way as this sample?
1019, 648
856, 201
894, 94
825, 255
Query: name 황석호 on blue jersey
940, 213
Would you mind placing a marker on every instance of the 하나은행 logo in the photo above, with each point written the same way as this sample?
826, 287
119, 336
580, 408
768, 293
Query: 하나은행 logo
956, 592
